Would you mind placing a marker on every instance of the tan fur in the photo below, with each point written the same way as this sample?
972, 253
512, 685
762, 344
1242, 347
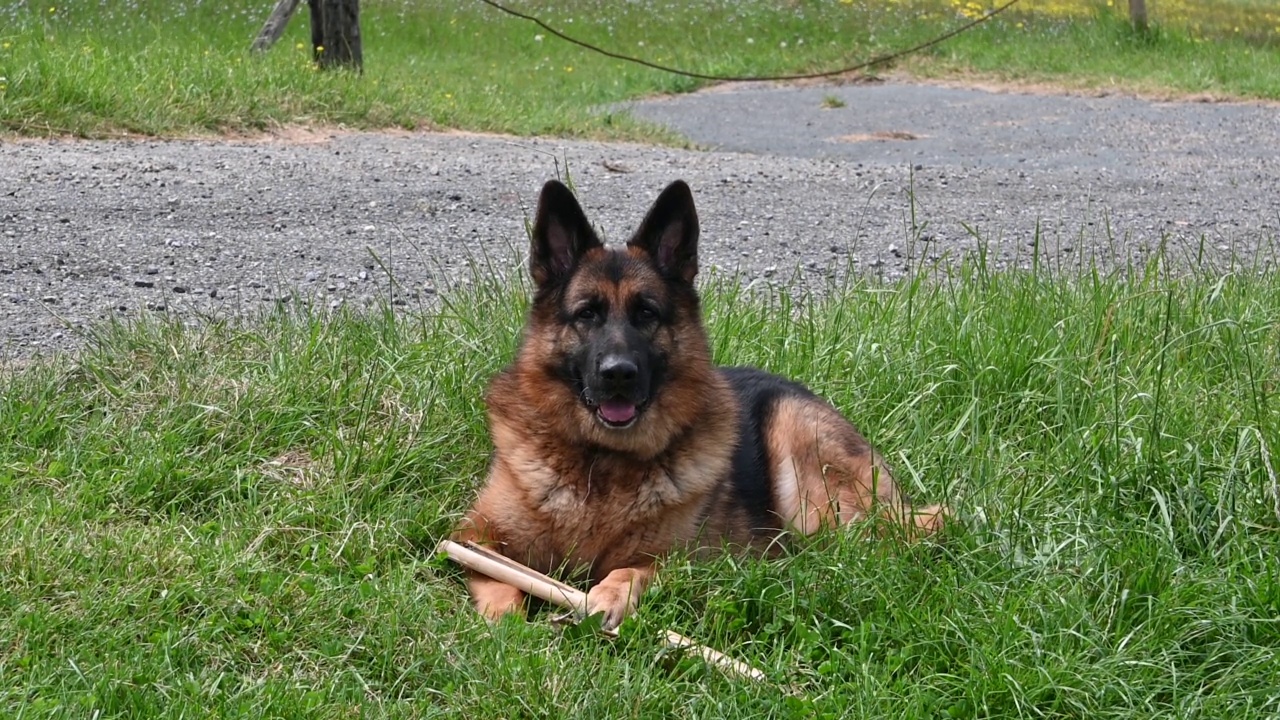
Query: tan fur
827, 475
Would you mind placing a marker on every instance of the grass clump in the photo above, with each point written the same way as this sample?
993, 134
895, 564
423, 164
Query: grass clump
239, 518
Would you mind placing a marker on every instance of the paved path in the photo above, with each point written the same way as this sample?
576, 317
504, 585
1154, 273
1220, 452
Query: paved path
1121, 138
90, 230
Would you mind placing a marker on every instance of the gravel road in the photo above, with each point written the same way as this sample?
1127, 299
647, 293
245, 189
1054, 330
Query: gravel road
90, 230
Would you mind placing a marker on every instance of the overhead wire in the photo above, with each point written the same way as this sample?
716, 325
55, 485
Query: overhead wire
878, 60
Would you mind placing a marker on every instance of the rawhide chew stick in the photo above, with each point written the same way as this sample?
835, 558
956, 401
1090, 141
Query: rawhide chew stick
504, 569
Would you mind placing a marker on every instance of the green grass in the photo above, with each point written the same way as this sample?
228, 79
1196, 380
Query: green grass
164, 67
238, 519
1106, 54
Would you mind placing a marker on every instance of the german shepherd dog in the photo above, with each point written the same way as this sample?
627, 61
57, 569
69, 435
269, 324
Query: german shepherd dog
616, 440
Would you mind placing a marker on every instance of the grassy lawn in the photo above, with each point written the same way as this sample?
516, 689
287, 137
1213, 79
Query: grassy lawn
239, 519
183, 66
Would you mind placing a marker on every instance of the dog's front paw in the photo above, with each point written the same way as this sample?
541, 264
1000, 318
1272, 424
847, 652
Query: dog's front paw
615, 603
618, 594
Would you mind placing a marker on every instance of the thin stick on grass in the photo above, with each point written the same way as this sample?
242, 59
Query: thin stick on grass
528, 580
1271, 472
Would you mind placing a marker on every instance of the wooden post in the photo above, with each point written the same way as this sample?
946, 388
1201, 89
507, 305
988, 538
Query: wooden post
335, 33
274, 27
1138, 15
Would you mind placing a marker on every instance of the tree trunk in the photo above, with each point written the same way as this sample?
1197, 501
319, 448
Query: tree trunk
335, 33
1138, 15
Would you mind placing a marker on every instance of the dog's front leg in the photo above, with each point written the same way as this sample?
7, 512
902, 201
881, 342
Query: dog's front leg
494, 599
619, 593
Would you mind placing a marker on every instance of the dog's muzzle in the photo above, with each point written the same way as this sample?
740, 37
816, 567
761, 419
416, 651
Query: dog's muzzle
618, 405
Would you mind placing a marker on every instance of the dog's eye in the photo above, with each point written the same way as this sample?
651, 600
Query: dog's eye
586, 314
646, 314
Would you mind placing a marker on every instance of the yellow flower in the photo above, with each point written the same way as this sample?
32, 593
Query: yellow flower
5, 45
319, 48
568, 68
300, 46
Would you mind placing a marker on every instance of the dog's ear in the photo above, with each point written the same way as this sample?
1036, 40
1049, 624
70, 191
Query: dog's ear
669, 233
561, 234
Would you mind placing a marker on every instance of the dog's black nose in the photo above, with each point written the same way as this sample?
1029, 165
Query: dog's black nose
618, 373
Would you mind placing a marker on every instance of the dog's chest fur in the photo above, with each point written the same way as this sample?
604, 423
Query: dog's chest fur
596, 509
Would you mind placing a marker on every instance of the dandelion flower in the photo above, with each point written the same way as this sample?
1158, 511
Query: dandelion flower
537, 38
300, 46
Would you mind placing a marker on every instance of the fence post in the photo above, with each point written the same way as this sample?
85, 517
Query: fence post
1138, 15
335, 33
274, 27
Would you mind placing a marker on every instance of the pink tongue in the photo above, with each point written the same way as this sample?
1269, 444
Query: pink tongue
617, 411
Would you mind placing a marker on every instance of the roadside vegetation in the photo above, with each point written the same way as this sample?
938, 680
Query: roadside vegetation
164, 67
238, 519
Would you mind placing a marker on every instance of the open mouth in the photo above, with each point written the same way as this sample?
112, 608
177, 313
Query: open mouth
617, 412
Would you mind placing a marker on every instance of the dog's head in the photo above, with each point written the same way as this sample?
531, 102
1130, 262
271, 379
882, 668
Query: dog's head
615, 325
